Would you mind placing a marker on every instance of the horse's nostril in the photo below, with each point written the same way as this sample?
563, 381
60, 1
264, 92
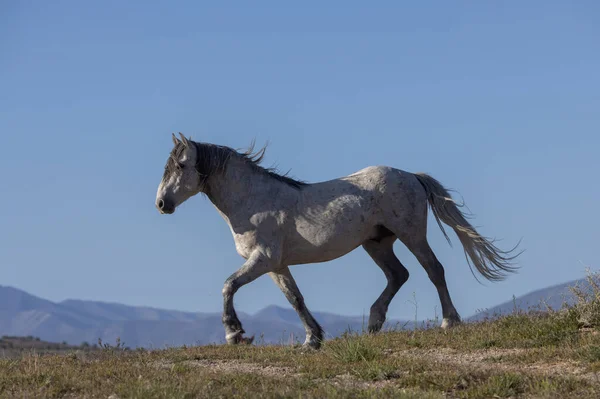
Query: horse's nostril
160, 204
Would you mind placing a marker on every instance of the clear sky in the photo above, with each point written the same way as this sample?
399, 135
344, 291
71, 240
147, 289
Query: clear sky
498, 100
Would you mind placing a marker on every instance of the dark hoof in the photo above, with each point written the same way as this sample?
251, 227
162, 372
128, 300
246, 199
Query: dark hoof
375, 328
247, 340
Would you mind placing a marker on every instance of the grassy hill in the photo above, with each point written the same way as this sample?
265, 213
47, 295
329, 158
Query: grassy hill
553, 354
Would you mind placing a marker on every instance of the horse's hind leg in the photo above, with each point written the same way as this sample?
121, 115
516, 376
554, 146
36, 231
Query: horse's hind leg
424, 254
382, 252
284, 280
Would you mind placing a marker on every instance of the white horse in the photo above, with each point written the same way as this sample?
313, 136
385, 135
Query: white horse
277, 222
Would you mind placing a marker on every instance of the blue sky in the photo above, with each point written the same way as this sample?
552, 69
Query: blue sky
496, 100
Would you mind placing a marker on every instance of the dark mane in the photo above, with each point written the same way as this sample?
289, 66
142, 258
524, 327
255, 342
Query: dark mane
213, 158
254, 158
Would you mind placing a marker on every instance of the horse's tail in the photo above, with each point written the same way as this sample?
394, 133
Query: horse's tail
490, 261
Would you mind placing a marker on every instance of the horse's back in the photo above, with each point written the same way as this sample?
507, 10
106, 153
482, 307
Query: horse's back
372, 183
335, 216
399, 199
385, 180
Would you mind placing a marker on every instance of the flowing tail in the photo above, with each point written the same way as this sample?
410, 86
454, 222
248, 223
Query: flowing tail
490, 261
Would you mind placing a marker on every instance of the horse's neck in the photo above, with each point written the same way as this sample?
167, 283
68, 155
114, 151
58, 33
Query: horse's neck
232, 191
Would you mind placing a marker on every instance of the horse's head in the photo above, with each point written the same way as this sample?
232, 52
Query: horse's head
181, 179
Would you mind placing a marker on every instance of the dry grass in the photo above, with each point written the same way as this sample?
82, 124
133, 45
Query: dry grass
520, 355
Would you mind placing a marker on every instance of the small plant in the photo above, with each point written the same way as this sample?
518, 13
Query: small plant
376, 371
587, 305
416, 305
118, 345
503, 386
352, 348
590, 353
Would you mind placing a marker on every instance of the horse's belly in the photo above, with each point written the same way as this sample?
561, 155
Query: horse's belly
326, 239
317, 255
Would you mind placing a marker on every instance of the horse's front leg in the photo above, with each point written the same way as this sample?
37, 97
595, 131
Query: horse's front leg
284, 280
257, 264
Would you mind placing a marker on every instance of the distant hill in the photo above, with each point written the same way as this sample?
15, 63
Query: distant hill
17, 346
553, 297
76, 321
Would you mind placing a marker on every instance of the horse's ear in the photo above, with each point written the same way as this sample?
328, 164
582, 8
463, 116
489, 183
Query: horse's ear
175, 141
184, 140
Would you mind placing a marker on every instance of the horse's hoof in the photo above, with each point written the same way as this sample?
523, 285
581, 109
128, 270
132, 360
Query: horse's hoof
449, 323
374, 328
307, 348
313, 344
238, 338
246, 340
376, 321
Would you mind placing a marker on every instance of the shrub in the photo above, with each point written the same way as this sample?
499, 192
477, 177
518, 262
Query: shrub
587, 305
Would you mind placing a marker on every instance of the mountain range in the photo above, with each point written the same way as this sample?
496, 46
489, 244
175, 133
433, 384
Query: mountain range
76, 321
553, 297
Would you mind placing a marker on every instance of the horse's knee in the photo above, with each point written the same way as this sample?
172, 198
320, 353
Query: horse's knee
229, 288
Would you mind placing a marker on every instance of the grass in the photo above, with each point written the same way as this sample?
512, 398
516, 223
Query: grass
533, 354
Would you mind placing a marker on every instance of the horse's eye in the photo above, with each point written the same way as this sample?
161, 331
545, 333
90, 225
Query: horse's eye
181, 166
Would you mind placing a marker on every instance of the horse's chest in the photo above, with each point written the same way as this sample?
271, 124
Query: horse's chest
245, 243
265, 238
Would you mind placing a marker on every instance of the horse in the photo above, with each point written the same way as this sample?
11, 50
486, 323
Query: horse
278, 221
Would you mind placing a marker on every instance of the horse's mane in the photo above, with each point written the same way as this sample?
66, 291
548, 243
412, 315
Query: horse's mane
213, 158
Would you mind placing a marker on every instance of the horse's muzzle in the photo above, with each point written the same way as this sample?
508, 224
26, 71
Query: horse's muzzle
164, 207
